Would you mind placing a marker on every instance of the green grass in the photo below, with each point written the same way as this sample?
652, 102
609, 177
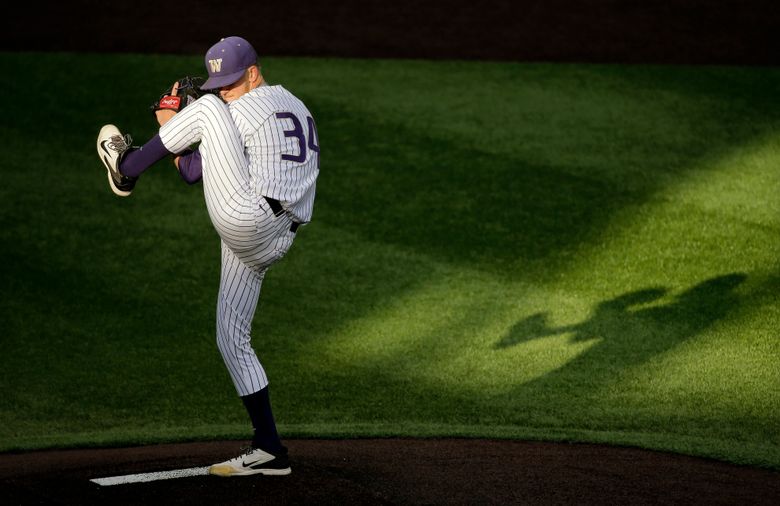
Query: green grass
556, 252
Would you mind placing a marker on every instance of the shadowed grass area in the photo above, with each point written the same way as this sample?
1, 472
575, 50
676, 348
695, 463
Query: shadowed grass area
565, 252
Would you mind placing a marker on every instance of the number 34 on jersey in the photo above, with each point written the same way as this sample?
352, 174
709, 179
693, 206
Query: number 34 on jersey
306, 141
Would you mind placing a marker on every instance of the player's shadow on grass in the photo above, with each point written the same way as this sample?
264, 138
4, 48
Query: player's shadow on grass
633, 327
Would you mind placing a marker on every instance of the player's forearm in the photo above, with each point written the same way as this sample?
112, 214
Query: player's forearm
190, 166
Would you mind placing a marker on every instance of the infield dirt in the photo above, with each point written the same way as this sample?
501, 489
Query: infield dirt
391, 471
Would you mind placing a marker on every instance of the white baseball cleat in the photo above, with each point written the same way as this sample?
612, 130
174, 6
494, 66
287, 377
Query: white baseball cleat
253, 461
111, 148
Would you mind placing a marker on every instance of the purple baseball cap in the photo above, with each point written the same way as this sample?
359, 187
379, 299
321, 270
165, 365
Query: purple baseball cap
227, 60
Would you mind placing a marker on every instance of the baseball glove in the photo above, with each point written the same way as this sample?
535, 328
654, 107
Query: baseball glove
188, 92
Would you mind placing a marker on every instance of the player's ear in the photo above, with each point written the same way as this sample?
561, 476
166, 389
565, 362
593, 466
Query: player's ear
254, 73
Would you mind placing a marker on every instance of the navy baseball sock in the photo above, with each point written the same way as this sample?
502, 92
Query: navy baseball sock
136, 161
258, 405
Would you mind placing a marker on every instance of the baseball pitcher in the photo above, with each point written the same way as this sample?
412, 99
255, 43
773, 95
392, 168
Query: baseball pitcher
258, 158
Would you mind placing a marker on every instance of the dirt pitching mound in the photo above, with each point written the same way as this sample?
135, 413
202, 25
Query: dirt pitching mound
390, 471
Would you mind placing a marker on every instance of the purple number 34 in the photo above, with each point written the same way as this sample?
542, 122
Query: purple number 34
309, 141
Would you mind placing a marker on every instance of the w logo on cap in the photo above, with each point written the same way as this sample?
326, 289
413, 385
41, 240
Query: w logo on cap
216, 65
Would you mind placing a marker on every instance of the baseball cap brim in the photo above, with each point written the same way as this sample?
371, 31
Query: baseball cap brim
220, 81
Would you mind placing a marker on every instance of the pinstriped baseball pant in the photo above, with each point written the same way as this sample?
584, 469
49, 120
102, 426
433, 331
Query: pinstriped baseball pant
252, 237
239, 291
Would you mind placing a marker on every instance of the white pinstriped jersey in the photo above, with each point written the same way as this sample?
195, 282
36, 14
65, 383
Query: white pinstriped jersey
282, 147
